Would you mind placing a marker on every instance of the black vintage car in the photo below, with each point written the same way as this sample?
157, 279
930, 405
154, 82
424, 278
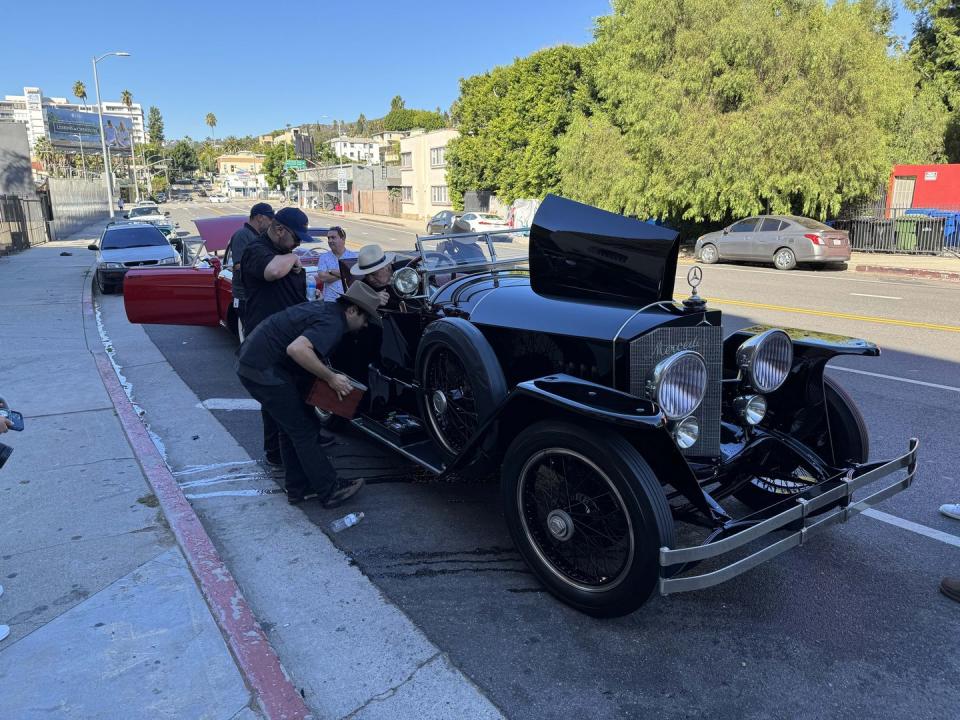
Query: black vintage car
613, 415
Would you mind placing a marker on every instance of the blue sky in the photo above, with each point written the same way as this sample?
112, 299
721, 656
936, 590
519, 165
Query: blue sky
260, 65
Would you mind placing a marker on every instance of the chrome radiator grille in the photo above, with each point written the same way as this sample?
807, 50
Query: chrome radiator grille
650, 349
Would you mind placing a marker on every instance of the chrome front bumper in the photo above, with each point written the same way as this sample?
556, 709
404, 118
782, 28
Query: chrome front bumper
810, 512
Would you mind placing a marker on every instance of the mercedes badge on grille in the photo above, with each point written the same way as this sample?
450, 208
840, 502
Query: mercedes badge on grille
694, 303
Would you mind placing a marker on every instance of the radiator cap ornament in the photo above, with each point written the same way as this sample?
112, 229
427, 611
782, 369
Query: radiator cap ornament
694, 303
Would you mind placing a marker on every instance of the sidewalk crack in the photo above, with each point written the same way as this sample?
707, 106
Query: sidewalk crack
390, 692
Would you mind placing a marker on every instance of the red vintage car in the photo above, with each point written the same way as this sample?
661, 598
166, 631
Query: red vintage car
202, 294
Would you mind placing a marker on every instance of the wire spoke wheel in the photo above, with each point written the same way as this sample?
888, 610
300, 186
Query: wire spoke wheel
576, 519
450, 399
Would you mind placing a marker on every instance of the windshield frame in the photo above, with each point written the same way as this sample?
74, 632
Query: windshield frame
429, 272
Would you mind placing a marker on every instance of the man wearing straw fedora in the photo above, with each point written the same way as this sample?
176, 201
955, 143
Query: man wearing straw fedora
280, 359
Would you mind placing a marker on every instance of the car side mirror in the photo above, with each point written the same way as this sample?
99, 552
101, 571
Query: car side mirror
167, 213
126, 216
726, 231
92, 246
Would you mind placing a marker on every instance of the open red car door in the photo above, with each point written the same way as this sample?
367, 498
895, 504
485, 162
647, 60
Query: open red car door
172, 296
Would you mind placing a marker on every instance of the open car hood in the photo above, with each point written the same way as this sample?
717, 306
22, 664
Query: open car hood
217, 231
581, 252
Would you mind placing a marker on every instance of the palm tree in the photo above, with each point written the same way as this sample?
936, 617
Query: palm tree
126, 97
80, 92
211, 120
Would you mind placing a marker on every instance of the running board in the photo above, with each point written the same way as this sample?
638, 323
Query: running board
423, 453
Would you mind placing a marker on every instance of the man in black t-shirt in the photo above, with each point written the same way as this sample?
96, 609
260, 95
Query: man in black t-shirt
261, 215
273, 280
276, 364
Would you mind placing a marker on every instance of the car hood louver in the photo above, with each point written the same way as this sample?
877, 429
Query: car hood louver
584, 253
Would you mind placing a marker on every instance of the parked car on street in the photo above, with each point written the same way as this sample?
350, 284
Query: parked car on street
125, 245
475, 222
442, 222
217, 199
784, 240
611, 413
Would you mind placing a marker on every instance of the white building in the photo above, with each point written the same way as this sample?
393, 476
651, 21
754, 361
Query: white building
423, 172
30, 108
354, 149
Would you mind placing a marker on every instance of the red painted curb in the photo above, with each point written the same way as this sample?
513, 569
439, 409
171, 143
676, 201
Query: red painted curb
255, 657
911, 272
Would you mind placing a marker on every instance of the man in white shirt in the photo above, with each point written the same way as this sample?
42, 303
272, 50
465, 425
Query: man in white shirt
328, 267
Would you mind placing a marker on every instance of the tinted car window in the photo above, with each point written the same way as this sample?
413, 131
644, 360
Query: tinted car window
810, 224
132, 237
771, 225
748, 225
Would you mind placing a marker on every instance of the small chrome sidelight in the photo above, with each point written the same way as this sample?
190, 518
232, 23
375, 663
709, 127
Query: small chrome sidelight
766, 360
751, 408
686, 432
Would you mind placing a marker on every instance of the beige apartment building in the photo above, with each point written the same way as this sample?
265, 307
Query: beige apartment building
244, 161
423, 172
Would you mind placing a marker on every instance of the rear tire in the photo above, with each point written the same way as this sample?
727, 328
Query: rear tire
851, 444
784, 259
587, 514
709, 254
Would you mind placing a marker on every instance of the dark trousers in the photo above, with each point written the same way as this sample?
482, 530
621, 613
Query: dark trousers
306, 466
271, 433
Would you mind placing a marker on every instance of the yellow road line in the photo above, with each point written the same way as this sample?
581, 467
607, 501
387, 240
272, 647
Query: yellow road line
839, 315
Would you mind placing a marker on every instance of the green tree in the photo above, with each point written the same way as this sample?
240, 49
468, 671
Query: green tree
211, 121
183, 158
732, 108
80, 91
935, 52
273, 168
510, 121
155, 125
361, 125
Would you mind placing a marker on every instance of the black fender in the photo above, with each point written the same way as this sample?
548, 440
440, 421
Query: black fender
565, 396
799, 407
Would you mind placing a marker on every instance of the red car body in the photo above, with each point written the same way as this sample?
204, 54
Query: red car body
201, 294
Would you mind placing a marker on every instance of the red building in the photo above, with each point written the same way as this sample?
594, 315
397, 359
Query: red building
924, 186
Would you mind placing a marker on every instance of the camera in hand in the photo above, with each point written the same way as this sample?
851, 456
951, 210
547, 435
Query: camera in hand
17, 420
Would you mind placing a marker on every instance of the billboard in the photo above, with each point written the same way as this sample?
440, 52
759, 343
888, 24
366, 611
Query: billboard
63, 127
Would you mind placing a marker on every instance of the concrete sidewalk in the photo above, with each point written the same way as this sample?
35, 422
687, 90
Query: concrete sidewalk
106, 618
331, 218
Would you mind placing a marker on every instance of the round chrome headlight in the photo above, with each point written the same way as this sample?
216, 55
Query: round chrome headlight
687, 432
751, 408
678, 384
766, 359
406, 281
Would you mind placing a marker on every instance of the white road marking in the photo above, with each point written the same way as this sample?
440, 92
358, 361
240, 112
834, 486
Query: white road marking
233, 493
937, 386
229, 404
882, 297
840, 276
914, 527
194, 469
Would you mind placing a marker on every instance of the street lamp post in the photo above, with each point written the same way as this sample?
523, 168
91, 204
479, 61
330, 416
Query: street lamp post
103, 140
83, 159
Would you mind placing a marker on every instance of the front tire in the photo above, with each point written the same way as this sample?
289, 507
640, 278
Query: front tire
851, 444
587, 514
709, 254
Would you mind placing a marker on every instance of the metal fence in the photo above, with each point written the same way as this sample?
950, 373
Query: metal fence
76, 202
22, 223
913, 231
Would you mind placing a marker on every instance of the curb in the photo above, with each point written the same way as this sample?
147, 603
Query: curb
256, 659
910, 272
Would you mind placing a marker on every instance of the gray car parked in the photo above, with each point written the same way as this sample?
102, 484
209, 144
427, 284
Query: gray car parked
124, 245
784, 240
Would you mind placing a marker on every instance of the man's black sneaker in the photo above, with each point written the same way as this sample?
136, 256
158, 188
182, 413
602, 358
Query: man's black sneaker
298, 498
274, 468
326, 440
343, 491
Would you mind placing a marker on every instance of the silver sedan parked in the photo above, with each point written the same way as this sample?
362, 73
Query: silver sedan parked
784, 240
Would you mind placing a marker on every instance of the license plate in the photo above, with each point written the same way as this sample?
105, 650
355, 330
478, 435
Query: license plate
836, 241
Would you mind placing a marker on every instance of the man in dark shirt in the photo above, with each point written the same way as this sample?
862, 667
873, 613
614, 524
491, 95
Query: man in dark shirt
273, 280
276, 364
261, 215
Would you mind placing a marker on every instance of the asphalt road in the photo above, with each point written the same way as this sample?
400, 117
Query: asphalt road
850, 625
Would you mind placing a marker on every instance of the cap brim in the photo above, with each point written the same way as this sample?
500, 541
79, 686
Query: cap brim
302, 235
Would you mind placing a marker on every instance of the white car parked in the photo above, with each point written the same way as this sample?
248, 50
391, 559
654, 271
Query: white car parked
475, 222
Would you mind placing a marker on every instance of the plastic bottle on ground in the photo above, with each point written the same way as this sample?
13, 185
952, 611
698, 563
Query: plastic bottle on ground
346, 521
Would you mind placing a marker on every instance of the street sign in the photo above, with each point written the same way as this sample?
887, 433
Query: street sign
342, 174
295, 165
341, 183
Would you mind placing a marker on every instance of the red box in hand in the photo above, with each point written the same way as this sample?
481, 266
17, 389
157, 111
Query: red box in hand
322, 396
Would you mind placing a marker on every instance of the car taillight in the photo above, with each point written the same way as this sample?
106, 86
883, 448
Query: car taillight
814, 238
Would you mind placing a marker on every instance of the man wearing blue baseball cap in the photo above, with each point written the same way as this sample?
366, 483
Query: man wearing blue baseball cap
273, 280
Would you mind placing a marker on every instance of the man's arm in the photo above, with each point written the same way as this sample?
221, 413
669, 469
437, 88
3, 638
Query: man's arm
302, 353
281, 266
